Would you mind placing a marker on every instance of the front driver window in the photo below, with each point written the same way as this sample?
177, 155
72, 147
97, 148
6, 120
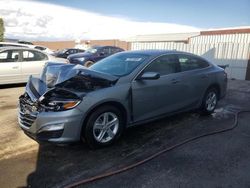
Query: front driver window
164, 65
105, 51
29, 55
9, 56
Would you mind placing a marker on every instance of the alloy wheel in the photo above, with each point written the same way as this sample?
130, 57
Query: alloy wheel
211, 101
105, 127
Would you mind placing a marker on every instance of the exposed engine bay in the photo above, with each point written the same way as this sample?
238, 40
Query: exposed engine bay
62, 86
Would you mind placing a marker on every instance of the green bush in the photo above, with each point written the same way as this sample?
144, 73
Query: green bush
1, 29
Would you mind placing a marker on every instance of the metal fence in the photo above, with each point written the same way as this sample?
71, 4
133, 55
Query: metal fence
236, 55
225, 38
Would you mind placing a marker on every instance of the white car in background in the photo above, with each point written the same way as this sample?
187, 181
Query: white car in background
38, 47
17, 64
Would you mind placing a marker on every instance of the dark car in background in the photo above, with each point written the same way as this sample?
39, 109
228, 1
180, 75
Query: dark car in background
67, 51
93, 54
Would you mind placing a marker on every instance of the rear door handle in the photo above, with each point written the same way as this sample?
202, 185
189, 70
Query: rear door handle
15, 67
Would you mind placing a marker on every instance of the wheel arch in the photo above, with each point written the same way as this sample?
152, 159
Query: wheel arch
217, 87
116, 104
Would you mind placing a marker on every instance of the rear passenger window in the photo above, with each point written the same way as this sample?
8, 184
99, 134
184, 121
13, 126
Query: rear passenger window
164, 65
188, 62
3, 55
33, 56
106, 51
27, 55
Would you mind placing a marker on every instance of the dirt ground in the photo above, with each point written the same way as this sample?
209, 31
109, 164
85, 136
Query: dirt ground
216, 161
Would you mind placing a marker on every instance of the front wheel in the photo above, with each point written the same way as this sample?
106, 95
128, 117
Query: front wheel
103, 127
88, 63
210, 101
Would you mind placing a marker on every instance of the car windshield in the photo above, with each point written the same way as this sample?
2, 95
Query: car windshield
62, 51
119, 64
91, 50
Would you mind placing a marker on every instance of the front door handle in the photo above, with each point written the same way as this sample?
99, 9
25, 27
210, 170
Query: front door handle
15, 67
175, 81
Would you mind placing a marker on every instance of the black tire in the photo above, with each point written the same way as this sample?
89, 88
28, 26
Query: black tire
210, 93
89, 132
88, 63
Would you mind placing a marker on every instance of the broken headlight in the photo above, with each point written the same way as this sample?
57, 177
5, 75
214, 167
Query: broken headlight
59, 100
61, 105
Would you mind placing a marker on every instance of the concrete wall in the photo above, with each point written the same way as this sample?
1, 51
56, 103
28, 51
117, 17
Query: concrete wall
219, 38
55, 45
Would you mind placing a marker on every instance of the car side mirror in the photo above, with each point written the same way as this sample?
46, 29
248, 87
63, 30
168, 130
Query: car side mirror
149, 76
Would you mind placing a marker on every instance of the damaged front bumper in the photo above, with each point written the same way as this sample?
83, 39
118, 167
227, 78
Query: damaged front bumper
41, 125
49, 111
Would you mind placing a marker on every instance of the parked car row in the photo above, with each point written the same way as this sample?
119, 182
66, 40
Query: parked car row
93, 54
19, 60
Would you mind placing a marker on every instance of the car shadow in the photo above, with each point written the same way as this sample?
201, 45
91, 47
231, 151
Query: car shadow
58, 166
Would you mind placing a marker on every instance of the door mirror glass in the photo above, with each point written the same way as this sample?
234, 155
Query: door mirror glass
149, 76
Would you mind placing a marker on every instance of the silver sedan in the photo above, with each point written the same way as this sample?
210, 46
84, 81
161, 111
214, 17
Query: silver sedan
70, 102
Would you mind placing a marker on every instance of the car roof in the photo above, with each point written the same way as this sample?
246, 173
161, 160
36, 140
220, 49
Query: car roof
13, 47
157, 52
150, 52
19, 48
69, 49
32, 46
99, 46
16, 44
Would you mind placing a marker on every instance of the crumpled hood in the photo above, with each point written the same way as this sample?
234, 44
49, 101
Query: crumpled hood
56, 73
70, 77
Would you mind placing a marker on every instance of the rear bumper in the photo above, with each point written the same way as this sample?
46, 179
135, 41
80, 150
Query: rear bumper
223, 89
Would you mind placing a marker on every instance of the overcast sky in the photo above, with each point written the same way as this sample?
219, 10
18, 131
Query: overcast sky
109, 19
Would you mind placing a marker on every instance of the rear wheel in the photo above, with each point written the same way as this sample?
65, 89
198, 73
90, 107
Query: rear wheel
103, 127
88, 63
210, 101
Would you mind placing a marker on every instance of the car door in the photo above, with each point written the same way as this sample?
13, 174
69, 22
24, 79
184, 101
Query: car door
32, 62
66, 53
10, 67
196, 77
151, 98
